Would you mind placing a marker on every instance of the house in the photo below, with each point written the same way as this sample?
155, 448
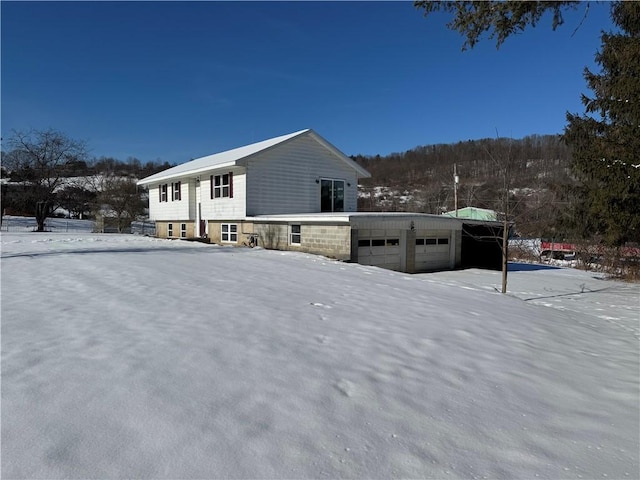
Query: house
295, 192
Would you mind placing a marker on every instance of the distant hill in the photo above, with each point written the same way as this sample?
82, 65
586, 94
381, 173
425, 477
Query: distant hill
422, 179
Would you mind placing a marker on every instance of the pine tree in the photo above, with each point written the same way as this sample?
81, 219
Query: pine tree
605, 140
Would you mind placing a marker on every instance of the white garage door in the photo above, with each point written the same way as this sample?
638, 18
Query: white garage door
432, 252
380, 248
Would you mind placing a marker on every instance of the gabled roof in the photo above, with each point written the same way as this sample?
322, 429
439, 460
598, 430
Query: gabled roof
238, 156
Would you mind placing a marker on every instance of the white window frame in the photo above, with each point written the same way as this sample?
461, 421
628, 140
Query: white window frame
220, 189
164, 192
295, 238
176, 191
183, 230
229, 232
169, 230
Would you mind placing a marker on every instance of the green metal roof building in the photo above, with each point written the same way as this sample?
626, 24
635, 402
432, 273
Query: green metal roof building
473, 213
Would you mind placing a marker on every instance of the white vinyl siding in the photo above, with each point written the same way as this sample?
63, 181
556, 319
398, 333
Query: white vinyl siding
223, 207
171, 209
287, 178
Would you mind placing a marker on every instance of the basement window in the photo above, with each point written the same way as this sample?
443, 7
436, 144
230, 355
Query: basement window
183, 230
170, 230
229, 232
295, 237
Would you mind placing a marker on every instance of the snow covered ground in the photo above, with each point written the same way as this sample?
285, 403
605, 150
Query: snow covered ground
132, 357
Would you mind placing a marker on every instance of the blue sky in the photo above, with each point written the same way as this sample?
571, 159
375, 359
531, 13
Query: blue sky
179, 80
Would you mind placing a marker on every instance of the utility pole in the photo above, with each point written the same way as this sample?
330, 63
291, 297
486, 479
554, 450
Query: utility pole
456, 180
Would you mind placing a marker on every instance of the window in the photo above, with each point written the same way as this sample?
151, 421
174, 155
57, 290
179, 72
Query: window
229, 232
175, 191
432, 241
163, 192
222, 185
183, 230
379, 242
170, 230
295, 237
331, 195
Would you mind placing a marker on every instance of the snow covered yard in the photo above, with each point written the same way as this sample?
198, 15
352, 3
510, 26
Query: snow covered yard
132, 357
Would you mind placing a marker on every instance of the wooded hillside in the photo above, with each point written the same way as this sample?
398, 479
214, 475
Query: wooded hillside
533, 170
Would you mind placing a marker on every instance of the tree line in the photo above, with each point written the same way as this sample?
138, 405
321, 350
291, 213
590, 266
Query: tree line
45, 171
422, 180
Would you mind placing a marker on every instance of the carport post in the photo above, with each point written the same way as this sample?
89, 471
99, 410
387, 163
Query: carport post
354, 245
408, 251
452, 250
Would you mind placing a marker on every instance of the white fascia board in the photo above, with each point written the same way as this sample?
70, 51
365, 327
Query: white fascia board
188, 173
403, 221
342, 217
362, 173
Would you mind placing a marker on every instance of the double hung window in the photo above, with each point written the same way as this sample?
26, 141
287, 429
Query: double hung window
295, 236
176, 193
163, 192
222, 185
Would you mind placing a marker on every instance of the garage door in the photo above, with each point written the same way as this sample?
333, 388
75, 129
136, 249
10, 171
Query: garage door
380, 248
432, 252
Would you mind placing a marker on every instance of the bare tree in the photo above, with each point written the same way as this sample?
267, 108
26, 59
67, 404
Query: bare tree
41, 159
121, 197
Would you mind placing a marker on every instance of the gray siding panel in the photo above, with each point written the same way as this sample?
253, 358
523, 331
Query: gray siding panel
283, 180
